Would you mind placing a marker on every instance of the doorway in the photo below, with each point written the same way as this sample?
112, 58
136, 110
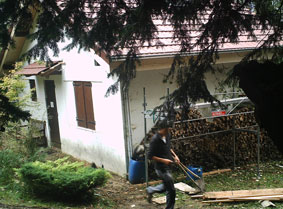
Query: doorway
52, 113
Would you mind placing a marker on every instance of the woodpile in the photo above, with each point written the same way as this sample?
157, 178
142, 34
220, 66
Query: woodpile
275, 194
195, 145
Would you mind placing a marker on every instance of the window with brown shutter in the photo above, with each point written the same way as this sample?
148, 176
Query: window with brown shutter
84, 105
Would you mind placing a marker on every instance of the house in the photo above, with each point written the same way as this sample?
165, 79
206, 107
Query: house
81, 121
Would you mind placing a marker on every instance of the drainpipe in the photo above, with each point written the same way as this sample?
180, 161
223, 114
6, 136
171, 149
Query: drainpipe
127, 127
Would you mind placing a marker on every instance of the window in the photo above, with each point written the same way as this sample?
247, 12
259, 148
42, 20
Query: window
96, 63
84, 105
33, 90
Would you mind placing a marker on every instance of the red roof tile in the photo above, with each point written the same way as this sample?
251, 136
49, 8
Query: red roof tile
36, 68
166, 44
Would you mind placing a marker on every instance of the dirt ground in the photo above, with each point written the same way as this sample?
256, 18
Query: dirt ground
117, 189
127, 195
122, 193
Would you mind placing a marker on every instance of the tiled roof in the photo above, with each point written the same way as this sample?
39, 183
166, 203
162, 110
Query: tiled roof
166, 44
38, 68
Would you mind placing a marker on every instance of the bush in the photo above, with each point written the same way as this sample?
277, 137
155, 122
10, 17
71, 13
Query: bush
22, 139
8, 161
61, 179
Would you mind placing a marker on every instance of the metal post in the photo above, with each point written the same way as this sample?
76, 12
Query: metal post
234, 145
145, 132
258, 152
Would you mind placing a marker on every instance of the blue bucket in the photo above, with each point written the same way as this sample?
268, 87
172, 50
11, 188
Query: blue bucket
195, 170
136, 172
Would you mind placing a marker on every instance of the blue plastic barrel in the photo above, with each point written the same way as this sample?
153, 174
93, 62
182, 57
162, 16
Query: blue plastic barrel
136, 171
195, 170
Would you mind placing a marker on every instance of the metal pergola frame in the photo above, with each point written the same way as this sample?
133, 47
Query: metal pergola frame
233, 131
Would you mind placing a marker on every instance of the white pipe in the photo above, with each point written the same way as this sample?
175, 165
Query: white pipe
226, 101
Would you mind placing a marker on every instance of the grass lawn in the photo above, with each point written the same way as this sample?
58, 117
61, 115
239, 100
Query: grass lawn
242, 178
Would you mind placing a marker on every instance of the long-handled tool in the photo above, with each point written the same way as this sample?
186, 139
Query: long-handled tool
199, 182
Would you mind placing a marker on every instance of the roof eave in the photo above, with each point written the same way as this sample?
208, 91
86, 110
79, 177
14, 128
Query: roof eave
170, 55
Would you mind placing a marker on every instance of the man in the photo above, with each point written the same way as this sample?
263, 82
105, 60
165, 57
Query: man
163, 156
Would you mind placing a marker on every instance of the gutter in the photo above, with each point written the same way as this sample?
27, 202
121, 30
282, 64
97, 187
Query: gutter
127, 128
171, 55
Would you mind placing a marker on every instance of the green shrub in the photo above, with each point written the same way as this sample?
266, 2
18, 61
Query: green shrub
8, 161
61, 179
22, 139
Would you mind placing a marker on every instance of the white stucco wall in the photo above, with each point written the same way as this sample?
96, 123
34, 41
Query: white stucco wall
155, 89
38, 108
104, 146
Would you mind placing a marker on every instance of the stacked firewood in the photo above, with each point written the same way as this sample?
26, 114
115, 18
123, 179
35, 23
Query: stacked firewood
195, 144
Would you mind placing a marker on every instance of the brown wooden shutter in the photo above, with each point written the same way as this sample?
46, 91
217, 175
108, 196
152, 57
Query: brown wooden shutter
80, 103
89, 106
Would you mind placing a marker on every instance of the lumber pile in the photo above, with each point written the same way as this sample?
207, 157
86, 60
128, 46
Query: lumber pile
216, 151
242, 195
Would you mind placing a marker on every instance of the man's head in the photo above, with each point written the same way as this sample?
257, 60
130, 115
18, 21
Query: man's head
163, 127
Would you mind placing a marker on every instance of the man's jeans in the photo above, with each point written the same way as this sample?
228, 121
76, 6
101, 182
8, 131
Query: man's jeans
167, 185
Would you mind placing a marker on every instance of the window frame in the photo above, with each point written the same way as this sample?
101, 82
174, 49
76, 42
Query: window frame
84, 104
32, 85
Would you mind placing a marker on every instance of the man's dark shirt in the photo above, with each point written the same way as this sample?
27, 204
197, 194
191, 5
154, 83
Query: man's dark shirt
160, 149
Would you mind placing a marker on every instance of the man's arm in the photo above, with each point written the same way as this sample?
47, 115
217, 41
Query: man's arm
162, 160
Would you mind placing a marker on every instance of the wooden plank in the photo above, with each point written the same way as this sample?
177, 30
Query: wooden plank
247, 196
158, 182
273, 198
197, 196
216, 172
216, 201
270, 197
227, 194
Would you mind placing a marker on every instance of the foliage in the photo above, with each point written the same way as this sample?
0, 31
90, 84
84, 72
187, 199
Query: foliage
130, 24
11, 100
21, 139
263, 85
13, 86
8, 161
61, 179
116, 25
9, 112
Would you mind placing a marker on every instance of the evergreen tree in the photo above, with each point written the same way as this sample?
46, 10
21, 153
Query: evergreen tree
112, 25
